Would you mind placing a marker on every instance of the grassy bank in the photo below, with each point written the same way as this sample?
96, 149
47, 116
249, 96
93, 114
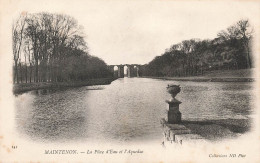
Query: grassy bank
24, 87
244, 75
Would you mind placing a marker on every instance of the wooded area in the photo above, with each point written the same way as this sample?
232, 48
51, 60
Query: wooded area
51, 48
231, 49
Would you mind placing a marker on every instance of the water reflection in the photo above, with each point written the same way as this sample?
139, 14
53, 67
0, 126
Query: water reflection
53, 114
127, 110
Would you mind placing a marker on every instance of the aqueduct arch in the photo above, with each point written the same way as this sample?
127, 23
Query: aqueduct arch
132, 70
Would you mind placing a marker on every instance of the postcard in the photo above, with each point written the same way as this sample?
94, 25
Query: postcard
129, 81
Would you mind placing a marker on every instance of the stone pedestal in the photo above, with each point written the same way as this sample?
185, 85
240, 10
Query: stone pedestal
174, 114
179, 134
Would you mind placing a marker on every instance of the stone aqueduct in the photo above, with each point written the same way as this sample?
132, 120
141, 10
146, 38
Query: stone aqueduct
132, 70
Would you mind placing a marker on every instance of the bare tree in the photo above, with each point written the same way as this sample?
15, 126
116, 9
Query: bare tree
54, 48
17, 36
240, 31
32, 34
245, 31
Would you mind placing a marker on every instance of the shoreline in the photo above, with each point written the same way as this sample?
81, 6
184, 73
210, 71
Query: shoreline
241, 75
25, 87
204, 79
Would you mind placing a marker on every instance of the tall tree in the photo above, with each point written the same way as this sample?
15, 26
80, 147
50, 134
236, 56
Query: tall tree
245, 31
17, 36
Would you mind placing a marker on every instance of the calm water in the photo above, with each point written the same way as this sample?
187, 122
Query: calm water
127, 110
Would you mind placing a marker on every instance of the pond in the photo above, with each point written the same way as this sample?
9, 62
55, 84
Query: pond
127, 110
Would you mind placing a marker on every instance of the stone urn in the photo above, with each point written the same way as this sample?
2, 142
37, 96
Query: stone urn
173, 90
174, 115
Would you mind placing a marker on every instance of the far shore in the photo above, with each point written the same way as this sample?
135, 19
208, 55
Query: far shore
203, 79
25, 87
242, 75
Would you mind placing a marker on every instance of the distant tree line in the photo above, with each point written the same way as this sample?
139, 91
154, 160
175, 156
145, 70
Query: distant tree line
51, 48
231, 49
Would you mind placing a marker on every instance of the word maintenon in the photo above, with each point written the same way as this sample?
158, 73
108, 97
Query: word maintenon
60, 152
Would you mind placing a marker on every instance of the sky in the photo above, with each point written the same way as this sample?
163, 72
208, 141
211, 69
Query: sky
134, 32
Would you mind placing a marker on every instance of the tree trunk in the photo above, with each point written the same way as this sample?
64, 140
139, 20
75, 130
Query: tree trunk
249, 64
26, 73
30, 73
16, 73
36, 70
21, 72
25, 68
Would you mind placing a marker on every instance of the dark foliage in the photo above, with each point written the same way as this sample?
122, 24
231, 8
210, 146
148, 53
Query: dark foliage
51, 48
230, 50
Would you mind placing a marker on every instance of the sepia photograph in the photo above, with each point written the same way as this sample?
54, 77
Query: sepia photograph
129, 81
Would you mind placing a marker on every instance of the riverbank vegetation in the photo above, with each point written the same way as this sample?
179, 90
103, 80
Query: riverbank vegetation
52, 48
230, 50
24, 87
